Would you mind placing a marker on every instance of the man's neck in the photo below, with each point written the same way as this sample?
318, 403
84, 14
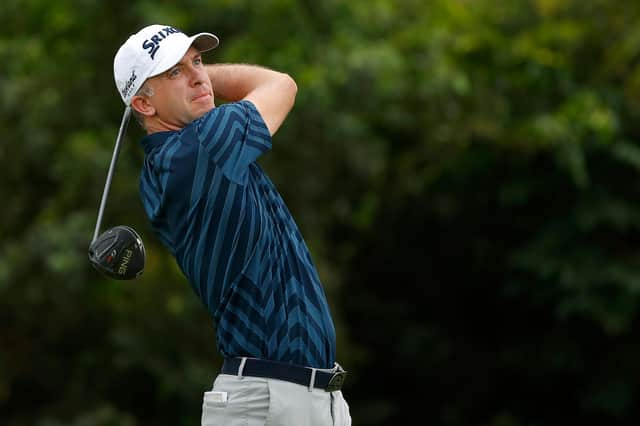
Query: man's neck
155, 125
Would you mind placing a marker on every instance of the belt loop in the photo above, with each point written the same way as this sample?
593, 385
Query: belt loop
243, 361
312, 382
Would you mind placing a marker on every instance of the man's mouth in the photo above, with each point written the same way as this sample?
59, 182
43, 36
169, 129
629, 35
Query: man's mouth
202, 96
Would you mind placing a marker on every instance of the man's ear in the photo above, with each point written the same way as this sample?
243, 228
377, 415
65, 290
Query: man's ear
143, 106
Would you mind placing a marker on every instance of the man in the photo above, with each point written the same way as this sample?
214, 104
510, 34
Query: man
236, 242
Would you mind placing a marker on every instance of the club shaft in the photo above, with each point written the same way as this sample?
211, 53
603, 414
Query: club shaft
112, 166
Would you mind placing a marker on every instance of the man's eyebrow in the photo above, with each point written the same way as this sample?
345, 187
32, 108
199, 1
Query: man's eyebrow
185, 60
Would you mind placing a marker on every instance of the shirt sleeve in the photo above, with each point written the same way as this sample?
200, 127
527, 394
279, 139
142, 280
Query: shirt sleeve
234, 135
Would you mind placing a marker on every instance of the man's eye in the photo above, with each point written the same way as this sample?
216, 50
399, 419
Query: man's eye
174, 72
197, 61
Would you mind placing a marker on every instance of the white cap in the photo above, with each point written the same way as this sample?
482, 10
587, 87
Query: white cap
152, 51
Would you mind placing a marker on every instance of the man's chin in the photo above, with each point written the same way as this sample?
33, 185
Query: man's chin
202, 110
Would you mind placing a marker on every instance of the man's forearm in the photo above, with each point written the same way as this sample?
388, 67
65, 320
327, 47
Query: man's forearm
273, 93
233, 82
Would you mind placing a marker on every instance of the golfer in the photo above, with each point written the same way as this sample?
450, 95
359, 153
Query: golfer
230, 231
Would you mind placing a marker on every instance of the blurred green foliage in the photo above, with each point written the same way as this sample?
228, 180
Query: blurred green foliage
465, 173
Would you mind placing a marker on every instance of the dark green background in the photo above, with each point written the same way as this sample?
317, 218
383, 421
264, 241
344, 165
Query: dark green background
466, 174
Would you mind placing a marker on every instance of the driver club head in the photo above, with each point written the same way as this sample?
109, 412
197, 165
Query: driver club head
118, 253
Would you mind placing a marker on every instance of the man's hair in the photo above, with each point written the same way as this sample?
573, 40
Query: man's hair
147, 91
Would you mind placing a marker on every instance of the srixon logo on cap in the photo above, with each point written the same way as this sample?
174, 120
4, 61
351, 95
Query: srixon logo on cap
153, 44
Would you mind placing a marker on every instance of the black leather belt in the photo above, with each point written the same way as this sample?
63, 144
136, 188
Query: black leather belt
329, 381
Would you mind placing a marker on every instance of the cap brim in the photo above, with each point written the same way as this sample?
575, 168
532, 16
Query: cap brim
204, 41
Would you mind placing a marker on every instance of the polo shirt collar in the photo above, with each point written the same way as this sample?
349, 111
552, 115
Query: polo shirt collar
153, 140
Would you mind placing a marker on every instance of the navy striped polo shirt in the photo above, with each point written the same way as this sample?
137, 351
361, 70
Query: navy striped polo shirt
235, 240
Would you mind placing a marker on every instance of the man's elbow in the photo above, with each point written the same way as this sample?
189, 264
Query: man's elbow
290, 88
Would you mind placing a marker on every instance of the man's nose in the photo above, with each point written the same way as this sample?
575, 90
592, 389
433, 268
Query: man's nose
197, 75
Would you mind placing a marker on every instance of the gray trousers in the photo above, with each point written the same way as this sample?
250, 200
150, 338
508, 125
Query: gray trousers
254, 401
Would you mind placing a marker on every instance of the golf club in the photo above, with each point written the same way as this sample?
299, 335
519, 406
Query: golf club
118, 252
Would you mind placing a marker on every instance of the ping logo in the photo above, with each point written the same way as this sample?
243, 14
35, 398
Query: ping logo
152, 45
124, 265
129, 84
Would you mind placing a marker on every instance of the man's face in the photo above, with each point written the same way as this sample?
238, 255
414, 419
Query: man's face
184, 92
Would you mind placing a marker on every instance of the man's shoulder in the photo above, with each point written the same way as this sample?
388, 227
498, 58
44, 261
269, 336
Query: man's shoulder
224, 119
227, 111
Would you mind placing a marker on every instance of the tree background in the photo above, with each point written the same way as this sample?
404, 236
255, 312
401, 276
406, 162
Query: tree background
464, 172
